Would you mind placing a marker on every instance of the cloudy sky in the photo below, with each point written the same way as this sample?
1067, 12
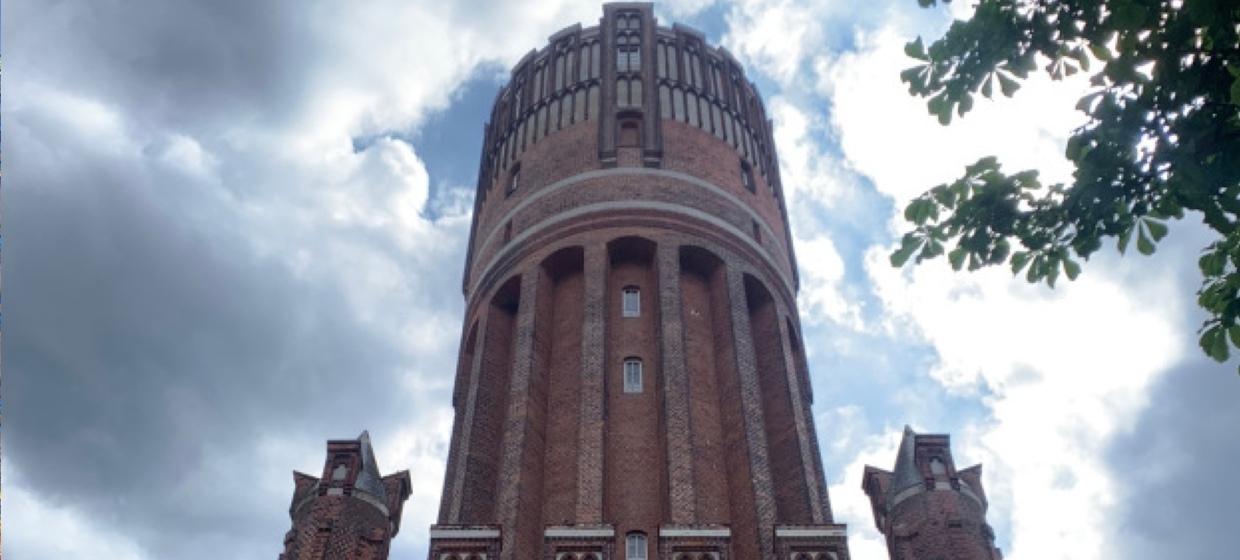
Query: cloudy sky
236, 229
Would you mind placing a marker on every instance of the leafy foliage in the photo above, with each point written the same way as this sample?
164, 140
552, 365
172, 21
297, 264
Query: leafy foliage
1162, 138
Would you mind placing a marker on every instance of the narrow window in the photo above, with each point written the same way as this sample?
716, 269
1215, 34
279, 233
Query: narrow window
757, 232
632, 375
514, 181
631, 302
508, 232
622, 92
747, 177
635, 546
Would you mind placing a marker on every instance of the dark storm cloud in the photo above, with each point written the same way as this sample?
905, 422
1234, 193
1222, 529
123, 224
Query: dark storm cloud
151, 350
1177, 467
174, 62
140, 343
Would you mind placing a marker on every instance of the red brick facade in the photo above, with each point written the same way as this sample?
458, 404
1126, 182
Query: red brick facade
350, 512
927, 509
629, 157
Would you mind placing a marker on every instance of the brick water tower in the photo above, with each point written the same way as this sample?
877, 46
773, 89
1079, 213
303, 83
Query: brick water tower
632, 382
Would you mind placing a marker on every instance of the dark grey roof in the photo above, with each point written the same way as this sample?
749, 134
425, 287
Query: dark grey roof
368, 480
905, 474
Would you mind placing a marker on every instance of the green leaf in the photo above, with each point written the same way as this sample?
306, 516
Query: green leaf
1035, 270
988, 86
1212, 264
1019, 259
916, 49
1007, 85
908, 246
1214, 342
1158, 230
1235, 91
1234, 333
1100, 52
956, 257
1144, 245
1124, 238
1071, 268
966, 104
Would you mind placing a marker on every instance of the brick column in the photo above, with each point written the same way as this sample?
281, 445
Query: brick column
593, 342
516, 424
454, 479
802, 417
751, 409
675, 389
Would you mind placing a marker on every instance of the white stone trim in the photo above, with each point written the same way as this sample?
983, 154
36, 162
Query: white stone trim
689, 532
635, 205
586, 176
579, 533
810, 532
464, 533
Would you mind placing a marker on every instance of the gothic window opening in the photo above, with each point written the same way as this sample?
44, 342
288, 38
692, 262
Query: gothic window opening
633, 384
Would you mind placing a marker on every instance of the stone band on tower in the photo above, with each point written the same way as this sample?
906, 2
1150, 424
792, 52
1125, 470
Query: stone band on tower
631, 382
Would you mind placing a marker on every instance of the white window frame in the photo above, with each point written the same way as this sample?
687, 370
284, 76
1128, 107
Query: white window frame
632, 372
631, 301
635, 546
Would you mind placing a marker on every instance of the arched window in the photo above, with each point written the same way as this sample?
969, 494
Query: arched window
630, 302
937, 467
633, 379
635, 546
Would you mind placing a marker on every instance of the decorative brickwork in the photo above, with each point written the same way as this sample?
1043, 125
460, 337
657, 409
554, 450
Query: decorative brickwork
350, 513
926, 508
630, 158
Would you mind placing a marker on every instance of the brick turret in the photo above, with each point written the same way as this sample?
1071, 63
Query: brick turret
927, 509
350, 512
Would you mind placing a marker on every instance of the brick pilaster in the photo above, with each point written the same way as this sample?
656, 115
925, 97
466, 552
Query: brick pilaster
751, 409
516, 423
675, 389
593, 342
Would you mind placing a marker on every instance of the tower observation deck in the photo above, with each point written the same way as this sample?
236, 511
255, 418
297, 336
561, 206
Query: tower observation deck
632, 382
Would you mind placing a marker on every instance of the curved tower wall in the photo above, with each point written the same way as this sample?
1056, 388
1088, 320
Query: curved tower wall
629, 158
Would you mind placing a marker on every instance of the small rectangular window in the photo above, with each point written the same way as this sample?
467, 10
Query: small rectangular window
631, 302
635, 547
632, 375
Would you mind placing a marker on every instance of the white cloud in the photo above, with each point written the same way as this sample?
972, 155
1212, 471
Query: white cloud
822, 295
887, 134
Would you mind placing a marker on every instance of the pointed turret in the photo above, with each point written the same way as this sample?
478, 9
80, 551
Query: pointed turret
906, 474
368, 478
925, 507
350, 512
